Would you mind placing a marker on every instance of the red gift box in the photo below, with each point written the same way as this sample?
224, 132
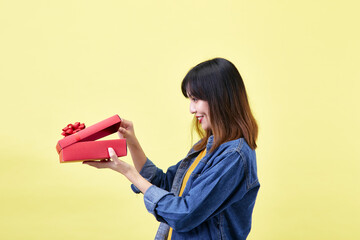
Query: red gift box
81, 146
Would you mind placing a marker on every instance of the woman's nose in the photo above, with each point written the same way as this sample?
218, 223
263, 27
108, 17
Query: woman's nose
192, 108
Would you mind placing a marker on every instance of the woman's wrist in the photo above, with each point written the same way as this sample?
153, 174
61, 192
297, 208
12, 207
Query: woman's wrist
133, 142
137, 154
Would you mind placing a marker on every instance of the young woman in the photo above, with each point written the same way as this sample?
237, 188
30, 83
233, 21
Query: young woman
211, 193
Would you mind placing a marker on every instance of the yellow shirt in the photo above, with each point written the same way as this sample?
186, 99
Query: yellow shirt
186, 178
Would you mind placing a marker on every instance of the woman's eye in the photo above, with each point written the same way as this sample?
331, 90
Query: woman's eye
194, 99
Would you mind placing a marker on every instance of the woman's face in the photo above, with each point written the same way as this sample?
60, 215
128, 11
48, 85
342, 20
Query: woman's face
201, 110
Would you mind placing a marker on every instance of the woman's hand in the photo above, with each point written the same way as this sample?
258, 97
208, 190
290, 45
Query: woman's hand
115, 163
126, 130
122, 167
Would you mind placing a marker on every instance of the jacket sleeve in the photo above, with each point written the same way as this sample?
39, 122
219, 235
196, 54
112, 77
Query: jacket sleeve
212, 190
156, 176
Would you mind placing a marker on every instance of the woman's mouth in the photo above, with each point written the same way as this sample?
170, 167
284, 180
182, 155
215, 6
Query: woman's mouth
200, 118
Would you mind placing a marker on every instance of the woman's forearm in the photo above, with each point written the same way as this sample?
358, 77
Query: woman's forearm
137, 154
141, 183
126, 130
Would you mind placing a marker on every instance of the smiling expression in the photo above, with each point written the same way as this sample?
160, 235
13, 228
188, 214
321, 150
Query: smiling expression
201, 110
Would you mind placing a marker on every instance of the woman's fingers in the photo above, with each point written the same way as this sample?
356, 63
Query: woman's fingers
113, 156
105, 163
98, 164
122, 131
119, 165
113, 163
126, 133
120, 135
125, 123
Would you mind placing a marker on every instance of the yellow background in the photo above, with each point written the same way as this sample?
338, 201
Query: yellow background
67, 61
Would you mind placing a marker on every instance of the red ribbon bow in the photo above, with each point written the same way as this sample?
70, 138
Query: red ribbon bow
72, 128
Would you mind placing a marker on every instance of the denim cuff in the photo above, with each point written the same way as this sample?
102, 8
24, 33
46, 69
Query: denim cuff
148, 172
152, 196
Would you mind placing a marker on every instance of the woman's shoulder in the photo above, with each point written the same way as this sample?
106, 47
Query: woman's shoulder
239, 146
238, 150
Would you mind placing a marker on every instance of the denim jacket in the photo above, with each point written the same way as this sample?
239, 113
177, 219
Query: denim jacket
219, 197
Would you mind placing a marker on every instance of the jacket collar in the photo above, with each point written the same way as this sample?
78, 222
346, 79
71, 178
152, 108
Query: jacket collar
208, 146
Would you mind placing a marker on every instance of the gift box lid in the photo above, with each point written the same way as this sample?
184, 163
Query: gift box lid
94, 132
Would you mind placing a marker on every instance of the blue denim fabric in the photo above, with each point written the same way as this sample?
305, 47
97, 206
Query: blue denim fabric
219, 197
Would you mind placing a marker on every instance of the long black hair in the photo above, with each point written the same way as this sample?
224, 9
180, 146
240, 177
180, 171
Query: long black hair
218, 82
